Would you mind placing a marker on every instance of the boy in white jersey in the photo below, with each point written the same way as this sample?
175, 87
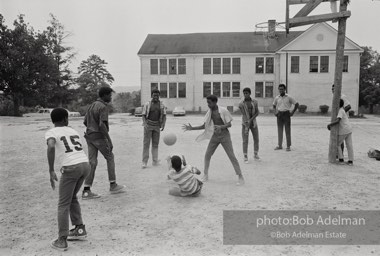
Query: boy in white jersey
75, 168
188, 184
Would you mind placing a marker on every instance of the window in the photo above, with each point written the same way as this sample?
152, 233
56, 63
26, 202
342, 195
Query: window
216, 65
236, 66
216, 89
259, 89
259, 65
163, 90
181, 66
295, 64
345, 63
154, 67
269, 65
226, 89
181, 90
207, 66
235, 89
153, 86
172, 66
163, 67
172, 90
313, 64
206, 89
226, 66
268, 89
324, 64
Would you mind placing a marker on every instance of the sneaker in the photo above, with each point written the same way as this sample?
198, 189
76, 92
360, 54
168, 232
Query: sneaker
88, 194
115, 188
278, 148
77, 233
143, 165
256, 157
350, 163
60, 244
288, 149
241, 181
156, 163
246, 160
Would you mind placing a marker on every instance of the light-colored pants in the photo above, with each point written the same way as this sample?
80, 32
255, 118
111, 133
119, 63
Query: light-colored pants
223, 138
245, 136
68, 205
151, 134
350, 149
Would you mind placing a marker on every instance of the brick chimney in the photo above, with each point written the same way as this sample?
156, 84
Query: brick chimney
271, 28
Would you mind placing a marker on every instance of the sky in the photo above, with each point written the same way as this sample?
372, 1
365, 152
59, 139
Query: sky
116, 29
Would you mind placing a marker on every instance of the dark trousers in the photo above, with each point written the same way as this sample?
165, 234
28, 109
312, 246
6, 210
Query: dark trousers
94, 146
68, 205
223, 138
283, 119
151, 134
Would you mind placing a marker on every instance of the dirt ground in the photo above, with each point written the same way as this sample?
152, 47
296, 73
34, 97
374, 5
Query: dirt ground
147, 221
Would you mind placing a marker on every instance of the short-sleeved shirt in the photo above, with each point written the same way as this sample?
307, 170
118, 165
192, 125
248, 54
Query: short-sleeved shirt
249, 107
96, 113
284, 103
248, 110
68, 145
147, 108
216, 118
154, 112
186, 180
226, 117
344, 125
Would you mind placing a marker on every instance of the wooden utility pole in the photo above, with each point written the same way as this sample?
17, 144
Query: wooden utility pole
333, 145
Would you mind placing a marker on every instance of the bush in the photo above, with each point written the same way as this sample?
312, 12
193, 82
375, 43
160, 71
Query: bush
24, 110
6, 106
324, 109
302, 108
351, 113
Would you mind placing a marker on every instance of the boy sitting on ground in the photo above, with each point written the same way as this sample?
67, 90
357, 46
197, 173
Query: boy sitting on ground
188, 184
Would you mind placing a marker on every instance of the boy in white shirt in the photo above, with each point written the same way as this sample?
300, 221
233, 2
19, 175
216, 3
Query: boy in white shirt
75, 168
344, 134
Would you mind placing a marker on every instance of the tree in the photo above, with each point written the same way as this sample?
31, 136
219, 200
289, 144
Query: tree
123, 102
93, 75
369, 78
136, 98
55, 34
25, 68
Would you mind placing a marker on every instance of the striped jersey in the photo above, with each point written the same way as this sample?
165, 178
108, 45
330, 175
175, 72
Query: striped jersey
186, 180
68, 145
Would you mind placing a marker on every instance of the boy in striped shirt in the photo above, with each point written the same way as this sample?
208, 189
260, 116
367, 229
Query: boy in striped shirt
188, 184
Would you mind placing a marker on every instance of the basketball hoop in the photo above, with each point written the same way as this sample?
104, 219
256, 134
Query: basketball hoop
268, 34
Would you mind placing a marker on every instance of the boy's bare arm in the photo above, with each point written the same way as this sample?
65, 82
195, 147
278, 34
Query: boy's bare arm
51, 158
333, 123
188, 127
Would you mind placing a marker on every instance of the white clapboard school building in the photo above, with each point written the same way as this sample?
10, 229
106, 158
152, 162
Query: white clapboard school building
186, 68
